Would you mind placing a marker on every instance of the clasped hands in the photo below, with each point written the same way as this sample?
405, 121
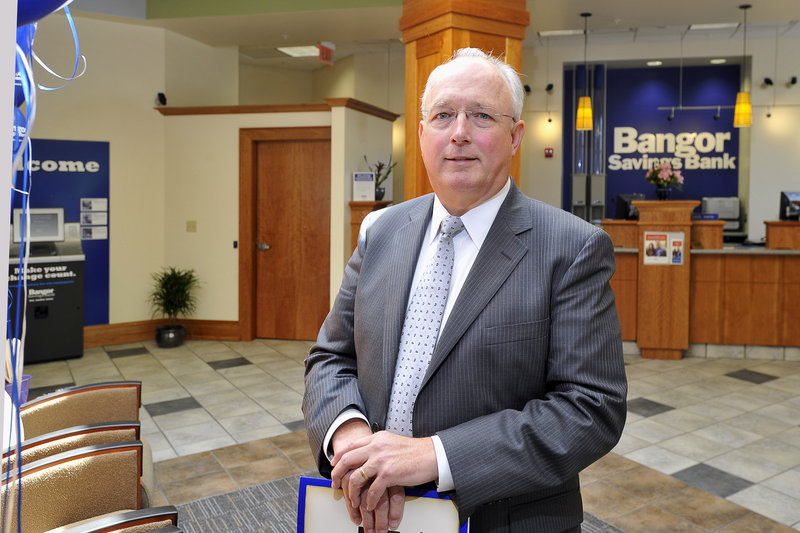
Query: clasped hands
373, 469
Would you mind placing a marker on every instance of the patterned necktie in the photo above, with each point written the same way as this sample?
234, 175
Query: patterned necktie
421, 329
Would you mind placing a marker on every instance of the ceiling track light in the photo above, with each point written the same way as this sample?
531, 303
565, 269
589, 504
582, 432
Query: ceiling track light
716, 115
792, 81
671, 115
767, 83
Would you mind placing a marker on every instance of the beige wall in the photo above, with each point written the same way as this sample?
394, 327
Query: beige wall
264, 85
362, 135
198, 74
114, 102
336, 81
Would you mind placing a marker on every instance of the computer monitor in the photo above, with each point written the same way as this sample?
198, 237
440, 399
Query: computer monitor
46, 224
789, 210
625, 209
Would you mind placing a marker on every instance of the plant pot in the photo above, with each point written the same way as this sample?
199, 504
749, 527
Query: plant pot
379, 192
662, 193
170, 336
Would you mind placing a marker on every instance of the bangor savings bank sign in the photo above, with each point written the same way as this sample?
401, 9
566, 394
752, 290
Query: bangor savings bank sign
691, 150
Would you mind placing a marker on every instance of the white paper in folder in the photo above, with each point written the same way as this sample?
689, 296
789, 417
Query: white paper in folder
320, 509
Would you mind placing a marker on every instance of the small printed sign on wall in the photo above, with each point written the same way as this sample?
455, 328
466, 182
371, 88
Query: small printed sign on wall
363, 186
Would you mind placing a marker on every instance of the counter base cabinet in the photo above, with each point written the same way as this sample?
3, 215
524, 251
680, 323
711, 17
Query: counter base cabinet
740, 299
745, 299
783, 234
623, 283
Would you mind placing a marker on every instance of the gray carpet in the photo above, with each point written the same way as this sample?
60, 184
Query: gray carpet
271, 507
268, 507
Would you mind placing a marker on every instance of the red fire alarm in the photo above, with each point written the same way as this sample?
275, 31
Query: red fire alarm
548, 152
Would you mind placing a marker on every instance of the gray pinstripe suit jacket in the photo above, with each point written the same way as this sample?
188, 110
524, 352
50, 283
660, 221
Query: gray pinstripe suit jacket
526, 386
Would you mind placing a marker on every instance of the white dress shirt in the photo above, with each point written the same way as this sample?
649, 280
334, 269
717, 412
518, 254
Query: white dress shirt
477, 222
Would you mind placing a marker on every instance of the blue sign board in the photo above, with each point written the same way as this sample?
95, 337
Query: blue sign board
74, 175
701, 143
648, 120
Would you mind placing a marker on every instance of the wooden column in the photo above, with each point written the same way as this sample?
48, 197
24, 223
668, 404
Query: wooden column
663, 290
432, 31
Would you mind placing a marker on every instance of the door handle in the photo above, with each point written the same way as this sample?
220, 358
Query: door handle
262, 246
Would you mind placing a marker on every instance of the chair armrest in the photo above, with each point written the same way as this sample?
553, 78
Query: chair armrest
159, 518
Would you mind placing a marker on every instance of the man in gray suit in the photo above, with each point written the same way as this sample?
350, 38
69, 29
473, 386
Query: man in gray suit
525, 386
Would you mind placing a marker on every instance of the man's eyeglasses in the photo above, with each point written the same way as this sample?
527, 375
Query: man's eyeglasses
441, 117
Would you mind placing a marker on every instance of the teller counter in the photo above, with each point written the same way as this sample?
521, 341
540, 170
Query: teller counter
722, 294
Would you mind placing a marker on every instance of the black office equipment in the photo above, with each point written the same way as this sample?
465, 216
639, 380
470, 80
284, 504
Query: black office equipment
625, 209
789, 210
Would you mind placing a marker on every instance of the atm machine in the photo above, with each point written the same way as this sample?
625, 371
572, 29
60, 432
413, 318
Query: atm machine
54, 286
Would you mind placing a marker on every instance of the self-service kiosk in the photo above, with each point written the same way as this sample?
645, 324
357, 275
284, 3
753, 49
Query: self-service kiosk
53, 285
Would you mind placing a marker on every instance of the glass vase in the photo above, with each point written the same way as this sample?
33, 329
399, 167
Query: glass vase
663, 192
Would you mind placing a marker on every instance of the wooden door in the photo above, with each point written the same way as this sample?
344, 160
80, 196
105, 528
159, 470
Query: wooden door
292, 236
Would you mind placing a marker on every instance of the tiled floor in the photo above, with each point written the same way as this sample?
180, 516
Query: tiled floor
711, 444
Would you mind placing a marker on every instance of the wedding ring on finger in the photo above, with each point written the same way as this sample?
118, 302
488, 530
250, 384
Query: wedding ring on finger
363, 474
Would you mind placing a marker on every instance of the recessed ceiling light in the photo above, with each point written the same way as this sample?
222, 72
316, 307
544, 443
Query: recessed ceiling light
559, 33
717, 26
300, 51
718, 61
654, 63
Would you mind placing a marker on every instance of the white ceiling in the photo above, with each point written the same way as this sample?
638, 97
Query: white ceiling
373, 29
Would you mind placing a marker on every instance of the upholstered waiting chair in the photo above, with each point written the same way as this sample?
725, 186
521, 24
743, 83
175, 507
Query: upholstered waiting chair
152, 520
89, 404
76, 485
81, 404
63, 440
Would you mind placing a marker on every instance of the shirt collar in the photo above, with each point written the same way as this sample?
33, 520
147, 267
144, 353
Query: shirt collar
477, 221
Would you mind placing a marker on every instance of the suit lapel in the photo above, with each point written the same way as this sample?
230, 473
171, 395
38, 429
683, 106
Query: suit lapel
497, 259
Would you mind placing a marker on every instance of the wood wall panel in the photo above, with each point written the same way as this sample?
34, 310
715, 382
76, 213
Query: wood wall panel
708, 234
752, 299
623, 283
359, 211
705, 299
145, 330
749, 299
783, 234
790, 306
623, 233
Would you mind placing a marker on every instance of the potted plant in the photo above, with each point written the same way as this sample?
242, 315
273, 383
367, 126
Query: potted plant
172, 296
382, 171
